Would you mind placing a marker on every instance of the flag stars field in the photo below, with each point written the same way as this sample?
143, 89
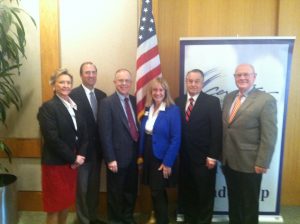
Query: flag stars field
148, 60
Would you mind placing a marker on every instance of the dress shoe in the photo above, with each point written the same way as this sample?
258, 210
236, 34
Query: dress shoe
180, 217
152, 219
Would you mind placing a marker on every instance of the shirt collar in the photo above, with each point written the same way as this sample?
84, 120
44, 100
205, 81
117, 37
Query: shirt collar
87, 90
69, 103
122, 97
162, 106
195, 97
246, 93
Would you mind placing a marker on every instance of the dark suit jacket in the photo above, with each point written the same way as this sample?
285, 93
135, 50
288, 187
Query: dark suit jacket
249, 140
59, 133
116, 140
84, 108
202, 135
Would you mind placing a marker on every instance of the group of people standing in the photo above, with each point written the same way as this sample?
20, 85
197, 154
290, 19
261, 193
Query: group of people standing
82, 126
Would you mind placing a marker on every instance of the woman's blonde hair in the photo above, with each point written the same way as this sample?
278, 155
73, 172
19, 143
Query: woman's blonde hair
57, 73
167, 100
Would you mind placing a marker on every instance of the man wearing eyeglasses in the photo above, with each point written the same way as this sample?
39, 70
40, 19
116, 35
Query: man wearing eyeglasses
201, 145
119, 136
249, 138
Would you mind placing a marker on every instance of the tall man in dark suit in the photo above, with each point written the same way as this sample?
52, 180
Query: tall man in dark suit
201, 144
87, 98
249, 138
119, 136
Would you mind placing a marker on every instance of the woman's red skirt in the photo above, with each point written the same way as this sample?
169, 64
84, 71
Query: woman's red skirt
58, 186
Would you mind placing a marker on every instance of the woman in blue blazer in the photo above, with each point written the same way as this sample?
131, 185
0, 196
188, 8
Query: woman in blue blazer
160, 136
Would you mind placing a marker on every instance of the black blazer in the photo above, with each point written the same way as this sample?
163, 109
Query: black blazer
202, 135
61, 141
85, 110
116, 140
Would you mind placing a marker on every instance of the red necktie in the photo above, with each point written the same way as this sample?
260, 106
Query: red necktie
235, 108
133, 131
189, 109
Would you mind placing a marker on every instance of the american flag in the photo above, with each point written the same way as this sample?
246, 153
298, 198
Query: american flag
147, 59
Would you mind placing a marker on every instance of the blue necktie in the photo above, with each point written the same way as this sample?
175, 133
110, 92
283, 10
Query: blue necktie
93, 104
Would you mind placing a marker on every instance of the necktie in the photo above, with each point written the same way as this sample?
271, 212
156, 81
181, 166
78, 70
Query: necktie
132, 127
189, 109
93, 104
235, 107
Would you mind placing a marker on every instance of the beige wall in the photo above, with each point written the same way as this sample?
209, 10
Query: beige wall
174, 19
101, 31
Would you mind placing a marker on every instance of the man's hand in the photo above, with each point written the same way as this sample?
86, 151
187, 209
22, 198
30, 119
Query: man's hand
210, 163
113, 166
260, 170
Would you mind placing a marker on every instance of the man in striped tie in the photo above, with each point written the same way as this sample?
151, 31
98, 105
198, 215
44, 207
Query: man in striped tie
201, 145
249, 137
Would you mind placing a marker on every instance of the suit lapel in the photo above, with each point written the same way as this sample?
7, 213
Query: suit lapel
119, 109
64, 112
197, 103
85, 102
227, 105
181, 105
248, 101
133, 103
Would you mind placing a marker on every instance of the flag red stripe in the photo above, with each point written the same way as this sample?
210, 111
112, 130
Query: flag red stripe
147, 77
147, 56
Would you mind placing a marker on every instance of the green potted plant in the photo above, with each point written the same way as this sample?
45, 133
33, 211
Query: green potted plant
12, 50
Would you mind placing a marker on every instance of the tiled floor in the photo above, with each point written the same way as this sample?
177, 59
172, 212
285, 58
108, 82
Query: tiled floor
290, 214
38, 217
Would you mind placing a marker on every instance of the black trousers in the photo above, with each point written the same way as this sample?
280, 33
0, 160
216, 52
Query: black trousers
243, 196
122, 194
157, 183
88, 184
197, 186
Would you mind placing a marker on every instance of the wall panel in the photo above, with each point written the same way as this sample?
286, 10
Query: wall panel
208, 18
289, 20
172, 23
50, 43
232, 17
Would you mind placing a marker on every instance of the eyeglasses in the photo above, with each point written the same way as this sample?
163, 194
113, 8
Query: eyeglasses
246, 75
190, 81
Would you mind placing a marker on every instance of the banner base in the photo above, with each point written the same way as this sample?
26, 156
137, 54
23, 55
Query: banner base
262, 218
